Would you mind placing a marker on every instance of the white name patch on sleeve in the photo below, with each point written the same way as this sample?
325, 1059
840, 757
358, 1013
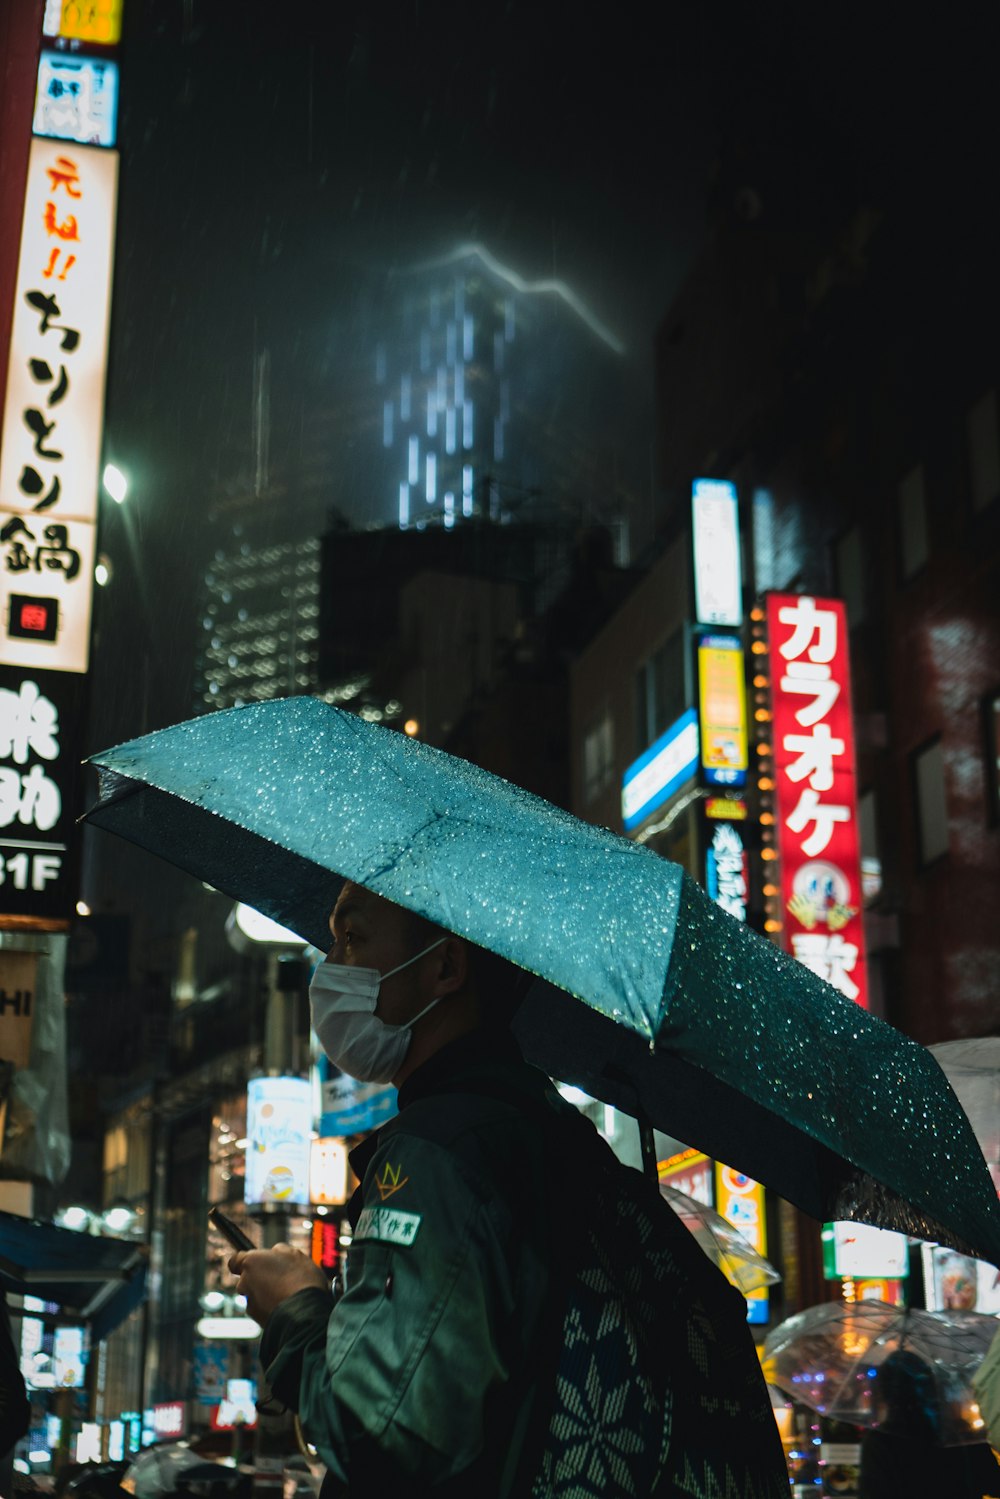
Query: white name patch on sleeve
388, 1225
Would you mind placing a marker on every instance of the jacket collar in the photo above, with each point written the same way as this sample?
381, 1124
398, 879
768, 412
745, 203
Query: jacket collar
468, 1053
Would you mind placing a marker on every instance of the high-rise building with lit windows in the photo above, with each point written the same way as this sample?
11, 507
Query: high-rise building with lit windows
259, 624
498, 398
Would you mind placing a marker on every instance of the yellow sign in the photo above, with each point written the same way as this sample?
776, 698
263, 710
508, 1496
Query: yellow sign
726, 808
740, 1200
722, 710
92, 21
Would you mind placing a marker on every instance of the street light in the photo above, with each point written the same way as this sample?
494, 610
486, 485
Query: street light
115, 483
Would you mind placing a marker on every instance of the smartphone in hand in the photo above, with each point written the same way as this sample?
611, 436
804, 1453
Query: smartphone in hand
229, 1230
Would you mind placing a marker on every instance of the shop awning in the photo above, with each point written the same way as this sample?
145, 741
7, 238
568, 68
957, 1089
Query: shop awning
89, 1277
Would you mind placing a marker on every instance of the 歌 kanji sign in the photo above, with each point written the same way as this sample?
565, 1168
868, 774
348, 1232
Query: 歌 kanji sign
815, 789
40, 717
54, 411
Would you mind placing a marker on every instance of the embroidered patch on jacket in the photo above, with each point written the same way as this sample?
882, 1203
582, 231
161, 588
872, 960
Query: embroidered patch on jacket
389, 1181
388, 1225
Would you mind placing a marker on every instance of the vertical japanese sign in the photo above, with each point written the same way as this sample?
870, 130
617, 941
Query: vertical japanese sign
40, 716
722, 710
726, 864
53, 415
815, 789
49, 464
715, 534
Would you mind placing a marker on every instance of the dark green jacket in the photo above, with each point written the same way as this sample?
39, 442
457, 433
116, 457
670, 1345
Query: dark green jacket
430, 1372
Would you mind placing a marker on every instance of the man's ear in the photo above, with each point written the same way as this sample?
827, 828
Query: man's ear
453, 966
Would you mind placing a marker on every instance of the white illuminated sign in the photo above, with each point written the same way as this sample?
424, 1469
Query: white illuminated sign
54, 410
864, 1252
168, 1418
328, 1172
655, 776
77, 98
68, 1357
279, 1137
228, 1327
260, 928
718, 582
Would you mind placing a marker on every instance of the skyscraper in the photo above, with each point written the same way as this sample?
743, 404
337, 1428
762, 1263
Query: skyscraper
498, 397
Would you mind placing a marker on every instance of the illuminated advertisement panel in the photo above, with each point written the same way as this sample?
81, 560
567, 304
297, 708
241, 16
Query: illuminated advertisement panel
84, 20
347, 1107
656, 775
279, 1140
54, 410
740, 1200
718, 583
328, 1172
815, 789
726, 867
690, 1171
41, 717
955, 1282
722, 710
77, 98
859, 1251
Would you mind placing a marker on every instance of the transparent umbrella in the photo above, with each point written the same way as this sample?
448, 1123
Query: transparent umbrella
725, 1246
883, 1366
157, 1472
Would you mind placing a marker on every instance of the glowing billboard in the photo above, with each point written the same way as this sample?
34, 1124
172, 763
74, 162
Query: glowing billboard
818, 842
54, 409
722, 710
656, 775
740, 1200
718, 582
77, 98
279, 1140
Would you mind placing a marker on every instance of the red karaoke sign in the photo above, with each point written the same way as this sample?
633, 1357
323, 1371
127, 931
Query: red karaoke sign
815, 789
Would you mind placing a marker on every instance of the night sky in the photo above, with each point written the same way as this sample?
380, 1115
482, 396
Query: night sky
279, 161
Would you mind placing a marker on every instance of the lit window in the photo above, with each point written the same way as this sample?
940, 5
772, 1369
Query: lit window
430, 484
932, 805
404, 506
414, 461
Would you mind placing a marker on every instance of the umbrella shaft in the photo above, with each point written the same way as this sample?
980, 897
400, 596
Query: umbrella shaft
648, 1147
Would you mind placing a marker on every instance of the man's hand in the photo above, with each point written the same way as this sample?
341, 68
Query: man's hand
269, 1276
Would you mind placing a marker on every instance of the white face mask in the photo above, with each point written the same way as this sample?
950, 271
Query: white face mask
342, 1002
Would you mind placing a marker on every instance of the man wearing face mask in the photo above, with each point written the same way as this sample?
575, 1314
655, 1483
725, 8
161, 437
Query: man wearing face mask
393, 1383
441, 1368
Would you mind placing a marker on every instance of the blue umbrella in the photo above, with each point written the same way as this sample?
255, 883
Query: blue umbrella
688, 1018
